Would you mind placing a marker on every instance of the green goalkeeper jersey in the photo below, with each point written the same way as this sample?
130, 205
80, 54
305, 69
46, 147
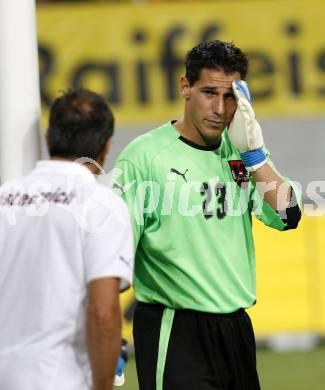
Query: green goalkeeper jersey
191, 210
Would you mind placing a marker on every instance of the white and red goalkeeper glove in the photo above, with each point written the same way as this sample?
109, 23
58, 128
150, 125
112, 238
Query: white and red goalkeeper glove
244, 131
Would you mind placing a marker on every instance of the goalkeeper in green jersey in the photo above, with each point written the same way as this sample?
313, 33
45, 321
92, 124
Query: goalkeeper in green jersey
191, 186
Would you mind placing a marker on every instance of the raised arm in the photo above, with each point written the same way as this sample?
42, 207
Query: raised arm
246, 135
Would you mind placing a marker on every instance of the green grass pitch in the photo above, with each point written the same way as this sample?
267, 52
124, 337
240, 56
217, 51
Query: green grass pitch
278, 371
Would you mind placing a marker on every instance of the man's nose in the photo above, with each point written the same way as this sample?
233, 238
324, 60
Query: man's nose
218, 106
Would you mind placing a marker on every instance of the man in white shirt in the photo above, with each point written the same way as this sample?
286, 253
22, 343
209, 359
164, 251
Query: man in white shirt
66, 250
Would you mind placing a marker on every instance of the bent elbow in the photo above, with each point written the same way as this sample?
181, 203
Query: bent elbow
292, 217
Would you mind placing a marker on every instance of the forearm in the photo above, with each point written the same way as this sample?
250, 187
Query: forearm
246, 135
103, 341
272, 188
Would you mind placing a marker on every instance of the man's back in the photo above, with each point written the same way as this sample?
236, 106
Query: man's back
53, 223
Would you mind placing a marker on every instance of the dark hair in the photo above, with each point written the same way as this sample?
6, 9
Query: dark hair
81, 122
217, 55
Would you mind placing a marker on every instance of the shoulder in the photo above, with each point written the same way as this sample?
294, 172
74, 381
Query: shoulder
143, 149
101, 208
107, 200
17, 183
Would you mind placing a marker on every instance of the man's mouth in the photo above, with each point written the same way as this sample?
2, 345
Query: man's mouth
214, 123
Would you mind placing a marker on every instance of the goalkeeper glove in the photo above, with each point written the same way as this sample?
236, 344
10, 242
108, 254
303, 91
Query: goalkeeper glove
244, 131
119, 372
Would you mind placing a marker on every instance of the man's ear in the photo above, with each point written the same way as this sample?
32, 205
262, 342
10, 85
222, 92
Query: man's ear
108, 145
47, 138
185, 88
103, 154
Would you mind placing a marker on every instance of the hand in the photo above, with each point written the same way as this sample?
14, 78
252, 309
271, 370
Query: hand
244, 131
119, 372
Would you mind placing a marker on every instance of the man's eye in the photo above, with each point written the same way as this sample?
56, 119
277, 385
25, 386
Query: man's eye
208, 92
230, 96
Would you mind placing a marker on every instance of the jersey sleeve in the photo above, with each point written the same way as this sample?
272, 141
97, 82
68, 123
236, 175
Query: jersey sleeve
128, 186
280, 221
108, 250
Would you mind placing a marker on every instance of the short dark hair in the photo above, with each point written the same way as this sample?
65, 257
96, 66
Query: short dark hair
81, 122
217, 55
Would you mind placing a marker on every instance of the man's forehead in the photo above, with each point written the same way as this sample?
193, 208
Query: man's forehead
217, 78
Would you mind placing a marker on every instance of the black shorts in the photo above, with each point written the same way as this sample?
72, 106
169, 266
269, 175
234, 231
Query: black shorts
190, 350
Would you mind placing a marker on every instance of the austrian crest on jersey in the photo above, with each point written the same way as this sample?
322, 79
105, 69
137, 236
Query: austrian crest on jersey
238, 171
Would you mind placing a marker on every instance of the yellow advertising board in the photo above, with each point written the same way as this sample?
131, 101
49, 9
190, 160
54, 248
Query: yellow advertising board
133, 53
290, 271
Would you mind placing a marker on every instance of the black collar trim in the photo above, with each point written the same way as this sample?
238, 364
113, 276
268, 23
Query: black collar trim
208, 148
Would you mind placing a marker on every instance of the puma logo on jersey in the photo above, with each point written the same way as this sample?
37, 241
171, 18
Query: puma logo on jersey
173, 170
123, 188
115, 185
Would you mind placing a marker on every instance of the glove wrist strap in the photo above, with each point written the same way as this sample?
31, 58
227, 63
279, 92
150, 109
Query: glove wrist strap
253, 159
